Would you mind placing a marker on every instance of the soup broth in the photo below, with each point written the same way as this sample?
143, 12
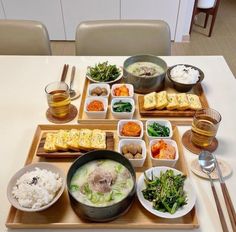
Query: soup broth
145, 69
101, 183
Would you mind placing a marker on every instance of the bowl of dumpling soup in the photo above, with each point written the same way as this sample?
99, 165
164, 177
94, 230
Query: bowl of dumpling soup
101, 185
145, 72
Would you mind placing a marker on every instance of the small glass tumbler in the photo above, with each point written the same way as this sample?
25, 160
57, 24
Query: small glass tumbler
58, 98
204, 127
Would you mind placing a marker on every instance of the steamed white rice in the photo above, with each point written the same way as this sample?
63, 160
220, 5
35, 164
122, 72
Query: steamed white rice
37, 188
185, 75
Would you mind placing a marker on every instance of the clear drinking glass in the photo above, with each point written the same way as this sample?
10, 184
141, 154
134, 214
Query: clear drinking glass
58, 98
204, 127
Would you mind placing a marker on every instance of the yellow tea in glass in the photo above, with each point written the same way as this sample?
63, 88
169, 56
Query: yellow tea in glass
58, 99
204, 127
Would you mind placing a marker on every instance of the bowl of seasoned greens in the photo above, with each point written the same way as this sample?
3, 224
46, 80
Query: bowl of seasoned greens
166, 192
122, 108
158, 129
104, 72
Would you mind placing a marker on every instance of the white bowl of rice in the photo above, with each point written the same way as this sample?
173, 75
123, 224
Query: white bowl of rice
36, 187
184, 77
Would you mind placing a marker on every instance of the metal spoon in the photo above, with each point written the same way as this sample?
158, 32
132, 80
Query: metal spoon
207, 164
72, 92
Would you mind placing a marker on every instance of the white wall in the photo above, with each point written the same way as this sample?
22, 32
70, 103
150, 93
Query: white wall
62, 16
152, 9
184, 19
76, 11
47, 11
188, 14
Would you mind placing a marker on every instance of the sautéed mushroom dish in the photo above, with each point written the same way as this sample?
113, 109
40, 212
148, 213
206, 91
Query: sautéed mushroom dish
145, 69
101, 183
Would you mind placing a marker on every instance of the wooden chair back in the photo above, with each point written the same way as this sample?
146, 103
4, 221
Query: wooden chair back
23, 37
123, 37
207, 11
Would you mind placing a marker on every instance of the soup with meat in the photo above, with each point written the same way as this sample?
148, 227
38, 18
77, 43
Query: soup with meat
145, 69
101, 183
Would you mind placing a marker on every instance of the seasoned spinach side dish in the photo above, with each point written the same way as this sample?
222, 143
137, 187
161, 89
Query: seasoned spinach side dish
165, 192
158, 130
122, 107
104, 72
101, 183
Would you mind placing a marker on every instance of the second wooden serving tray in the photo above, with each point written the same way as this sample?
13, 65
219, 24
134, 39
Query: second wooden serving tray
176, 116
61, 214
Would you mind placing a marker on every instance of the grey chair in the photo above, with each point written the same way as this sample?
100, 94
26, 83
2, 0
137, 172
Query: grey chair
23, 37
123, 37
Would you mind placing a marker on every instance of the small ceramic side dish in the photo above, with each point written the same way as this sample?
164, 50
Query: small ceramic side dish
130, 129
96, 107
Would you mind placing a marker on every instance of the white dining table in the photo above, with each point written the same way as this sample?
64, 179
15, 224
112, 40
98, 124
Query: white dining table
23, 105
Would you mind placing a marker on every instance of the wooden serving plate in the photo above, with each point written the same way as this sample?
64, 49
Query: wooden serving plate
69, 154
61, 214
173, 113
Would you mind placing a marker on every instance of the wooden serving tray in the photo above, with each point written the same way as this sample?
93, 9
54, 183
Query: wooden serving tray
83, 118
173, 113
176, 117
61, 214
69, 154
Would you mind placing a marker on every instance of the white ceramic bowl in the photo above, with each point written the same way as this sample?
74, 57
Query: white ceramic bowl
101, 85
121, 124
134, 162
29, 168
129, 86
123, 115
96, 114
108, 82
164, 162
161, 122
188, 188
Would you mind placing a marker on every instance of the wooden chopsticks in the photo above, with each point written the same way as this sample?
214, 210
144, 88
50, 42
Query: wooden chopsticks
219, 209
64, 72
228, 202
229, 205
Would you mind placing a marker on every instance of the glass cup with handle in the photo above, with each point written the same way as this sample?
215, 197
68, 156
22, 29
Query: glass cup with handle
58, 98
204, 127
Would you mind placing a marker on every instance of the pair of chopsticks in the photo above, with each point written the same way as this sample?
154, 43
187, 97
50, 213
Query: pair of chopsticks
228, 202
64, 72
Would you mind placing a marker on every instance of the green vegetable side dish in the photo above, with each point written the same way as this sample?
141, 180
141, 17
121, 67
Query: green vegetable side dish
158, 130
104, 72
165, 192
122, 107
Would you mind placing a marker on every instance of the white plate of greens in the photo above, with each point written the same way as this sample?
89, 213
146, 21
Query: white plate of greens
104, 72
154, 192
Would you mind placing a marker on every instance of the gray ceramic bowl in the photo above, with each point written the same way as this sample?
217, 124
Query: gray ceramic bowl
28, 168
107, 213
145, 84
180, 87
